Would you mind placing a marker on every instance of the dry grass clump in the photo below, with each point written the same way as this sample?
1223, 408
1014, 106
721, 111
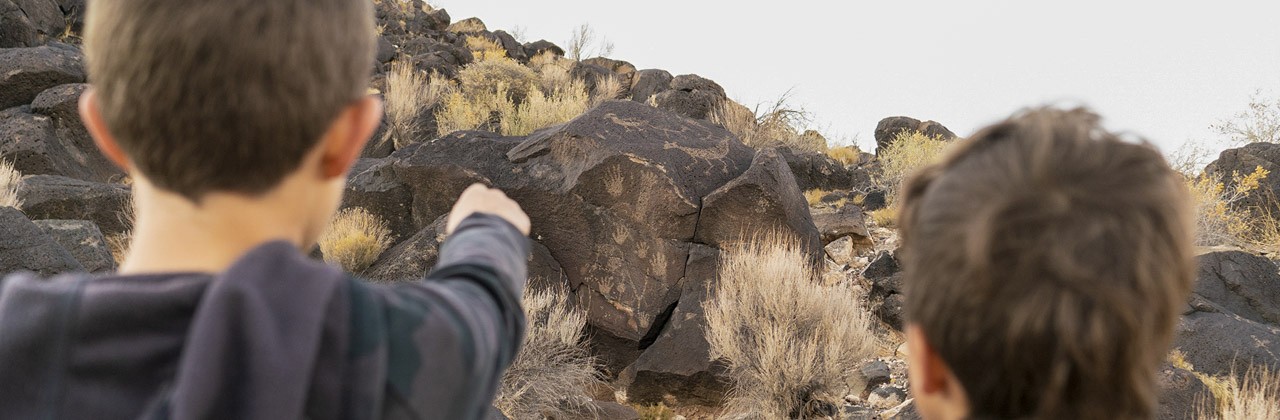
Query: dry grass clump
355, 239
886, 217
607, 89
485, 49
847, 155
790, 344
9, 180
778, 125
488, 75
409, 93
1255, 397
909, 151
540, 110
654, 412
554, 365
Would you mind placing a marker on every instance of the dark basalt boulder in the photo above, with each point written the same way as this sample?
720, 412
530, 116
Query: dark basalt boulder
819, 171
617, 196
649, 82
25, 72
1218, 342
28, 248
889, 128
535, 48
692, 96
61, 104
1243, 284
41, 145
29, 23
83, 240
57, 197
1244, 160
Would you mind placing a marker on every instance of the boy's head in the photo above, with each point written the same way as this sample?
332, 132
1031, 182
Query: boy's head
229, 96
1046, 261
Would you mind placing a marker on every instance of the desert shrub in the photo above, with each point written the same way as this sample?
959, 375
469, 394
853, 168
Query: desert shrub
1218, 222
410, 93
1255, 396
654, 412
485, 49
775, 126
471, 111
585, 44
909, 151
488, 75
607, 89
9, 180
886, 217
540, 110
1260, 123
355, 239
554, 365
847, 155
790, 344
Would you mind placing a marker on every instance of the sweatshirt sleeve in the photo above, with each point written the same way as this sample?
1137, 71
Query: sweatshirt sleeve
449, 338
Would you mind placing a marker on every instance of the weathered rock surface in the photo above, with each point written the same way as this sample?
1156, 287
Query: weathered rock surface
1243, 284
678, 367
890, 127
25, 72
846, 221
60, 103
618, 197
373, 186
1218, 342
692, 96
1181, 394
886, 295
649, 82
28, 248
819, 171
412, 258
29, 23
57, 197
763, 199
83, 240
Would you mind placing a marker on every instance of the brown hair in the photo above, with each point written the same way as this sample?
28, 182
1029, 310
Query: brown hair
1046, 260
225, 95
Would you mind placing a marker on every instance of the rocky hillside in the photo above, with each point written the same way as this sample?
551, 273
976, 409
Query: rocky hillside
634, 201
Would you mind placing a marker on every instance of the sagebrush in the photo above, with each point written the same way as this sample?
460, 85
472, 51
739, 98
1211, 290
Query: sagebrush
791, 345
409, 94
554, 370
355, 239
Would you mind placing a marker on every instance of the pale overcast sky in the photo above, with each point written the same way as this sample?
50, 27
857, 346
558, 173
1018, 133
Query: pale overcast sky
1160, 69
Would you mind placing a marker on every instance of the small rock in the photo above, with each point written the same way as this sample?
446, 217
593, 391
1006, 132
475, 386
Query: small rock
841, 251
887, 396
875, 373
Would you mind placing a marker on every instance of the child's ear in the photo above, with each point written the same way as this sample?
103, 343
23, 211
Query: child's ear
356, 124
91, 116
937, 391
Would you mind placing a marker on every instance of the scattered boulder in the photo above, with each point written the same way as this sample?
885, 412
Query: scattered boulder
83, 240
841, 251
1244, 160
514, 49
889, 128
1182, 394
32, 143
886, 295
373, 186
57, 197
844, 222
25, 72
874, 200
535, 48
1243, 284
692, 96
648, 83
875, 373
29, 23
27, 248
386, 51
469, 25
819, 171
765, 198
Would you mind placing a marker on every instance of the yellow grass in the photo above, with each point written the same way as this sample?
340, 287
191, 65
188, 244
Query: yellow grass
886, 217
485, 49
355, 239
788, 341
654, 412
607, 89
554, 367
409, 93
814, 196
118, 244
909, 151
1257, 396
847, 155
539, 110
486, 76
9, 180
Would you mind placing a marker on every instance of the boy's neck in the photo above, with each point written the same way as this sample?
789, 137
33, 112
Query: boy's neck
172, 234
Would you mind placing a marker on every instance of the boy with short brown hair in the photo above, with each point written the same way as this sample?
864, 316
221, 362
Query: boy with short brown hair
238, 121
1046, 261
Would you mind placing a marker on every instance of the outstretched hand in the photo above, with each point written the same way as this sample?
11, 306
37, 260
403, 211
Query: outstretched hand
481, 199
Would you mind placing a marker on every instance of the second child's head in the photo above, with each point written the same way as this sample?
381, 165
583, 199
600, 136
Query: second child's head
232, 97
1045, 263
